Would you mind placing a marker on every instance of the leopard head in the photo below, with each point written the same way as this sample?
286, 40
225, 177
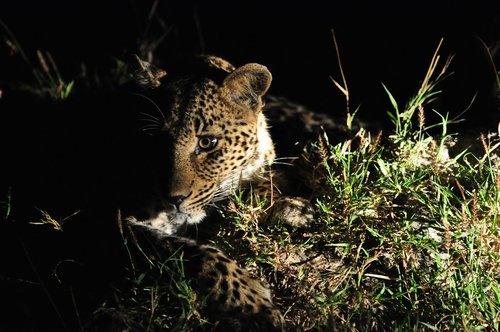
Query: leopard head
213, 127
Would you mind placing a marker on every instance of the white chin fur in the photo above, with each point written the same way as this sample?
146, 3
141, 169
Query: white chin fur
168, 223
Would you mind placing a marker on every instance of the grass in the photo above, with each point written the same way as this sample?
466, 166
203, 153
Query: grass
47, 78
154, 295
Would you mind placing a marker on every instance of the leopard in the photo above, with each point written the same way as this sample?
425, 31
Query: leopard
216, 138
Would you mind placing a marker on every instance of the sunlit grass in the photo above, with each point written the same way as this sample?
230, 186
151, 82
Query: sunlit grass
406, 236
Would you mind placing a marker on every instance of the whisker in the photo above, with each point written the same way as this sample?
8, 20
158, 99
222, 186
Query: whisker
261, 177
282, 163
151, 116
212, 204
154, 104
218, 195
285, 158
217, 200
149, 128
270, 171
156, 122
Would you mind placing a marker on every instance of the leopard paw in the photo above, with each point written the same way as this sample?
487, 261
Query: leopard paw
232, 292
294, 211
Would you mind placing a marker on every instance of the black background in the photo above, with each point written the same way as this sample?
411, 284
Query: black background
379, 42
47, 143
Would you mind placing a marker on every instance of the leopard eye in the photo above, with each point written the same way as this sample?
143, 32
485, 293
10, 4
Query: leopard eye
207, 143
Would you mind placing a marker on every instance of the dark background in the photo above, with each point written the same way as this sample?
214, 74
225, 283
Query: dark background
48, 156
389, 43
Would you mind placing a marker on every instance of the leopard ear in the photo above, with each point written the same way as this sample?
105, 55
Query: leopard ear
146, 74
247, 84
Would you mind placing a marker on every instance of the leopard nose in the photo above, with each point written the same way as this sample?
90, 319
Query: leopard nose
177, 200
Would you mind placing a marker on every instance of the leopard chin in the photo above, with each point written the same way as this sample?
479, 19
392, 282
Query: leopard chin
189, 218
169, 221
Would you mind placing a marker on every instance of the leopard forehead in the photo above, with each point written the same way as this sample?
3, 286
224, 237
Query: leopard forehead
196, 93
200, 110
197, 107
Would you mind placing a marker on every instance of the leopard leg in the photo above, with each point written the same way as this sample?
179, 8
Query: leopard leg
234, 297
294, 211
